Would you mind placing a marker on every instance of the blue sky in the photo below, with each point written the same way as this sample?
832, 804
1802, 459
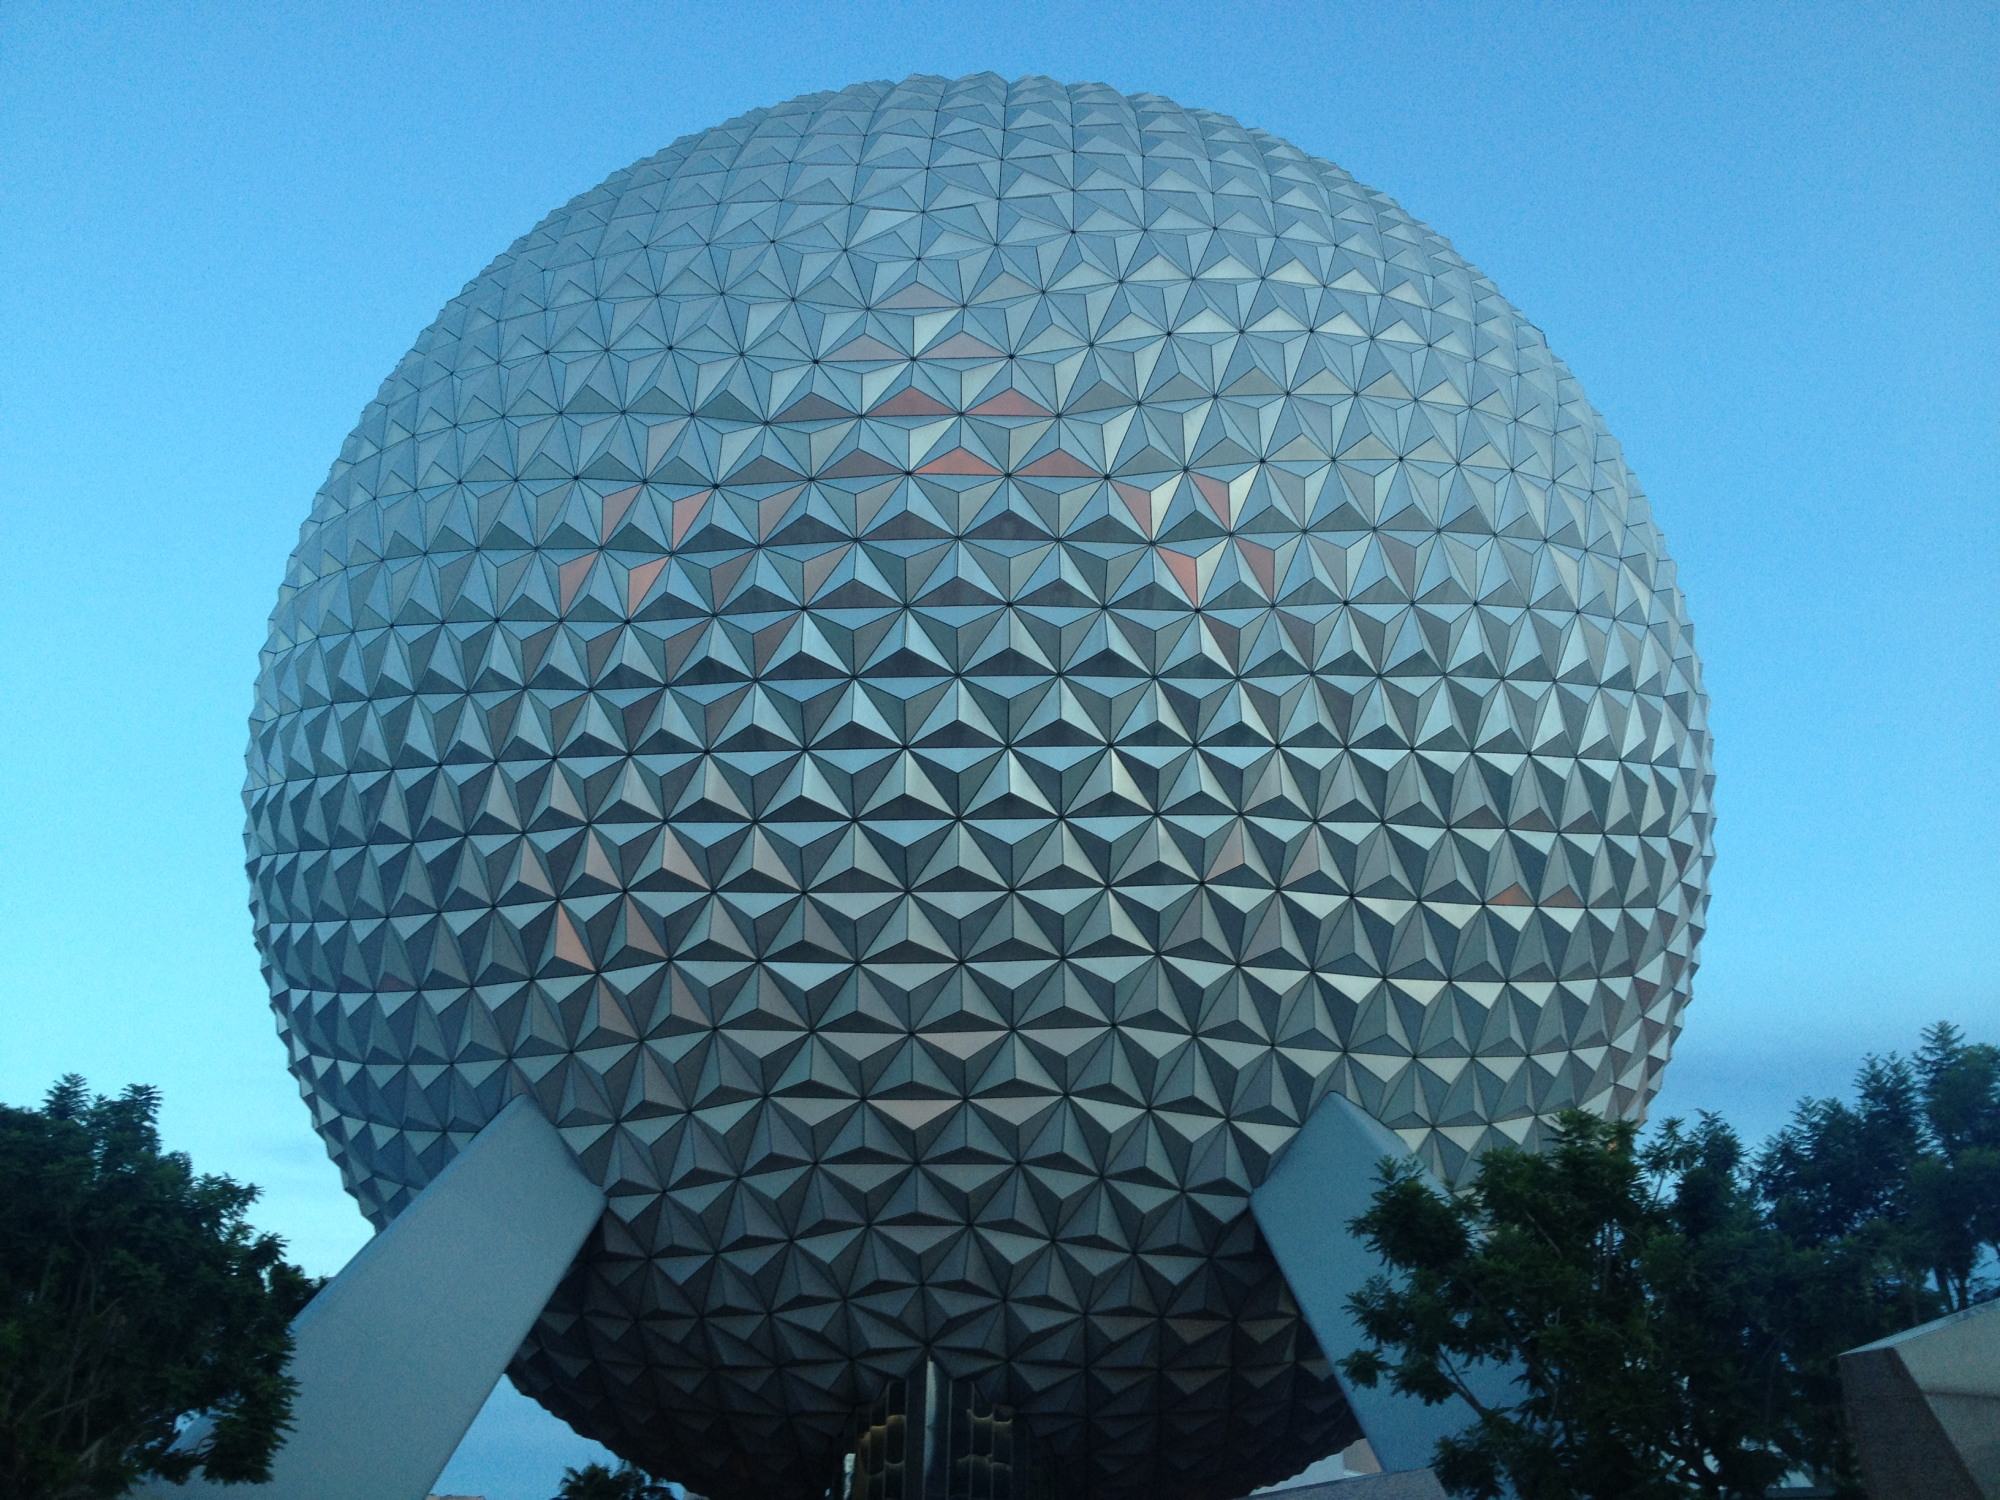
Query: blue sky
1763, 236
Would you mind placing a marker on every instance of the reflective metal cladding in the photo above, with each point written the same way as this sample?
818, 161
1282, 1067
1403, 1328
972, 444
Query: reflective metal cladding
928, 669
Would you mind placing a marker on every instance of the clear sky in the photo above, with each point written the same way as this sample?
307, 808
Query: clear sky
1764, 236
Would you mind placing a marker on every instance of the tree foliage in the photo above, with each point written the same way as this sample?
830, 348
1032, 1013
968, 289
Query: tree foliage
597, 1482
1673, 1310
1913, 1164
133, 1294
1627, 1283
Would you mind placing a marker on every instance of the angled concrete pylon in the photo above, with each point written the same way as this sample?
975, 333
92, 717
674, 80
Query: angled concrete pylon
398, 1352
1325, 1180
1924, 1408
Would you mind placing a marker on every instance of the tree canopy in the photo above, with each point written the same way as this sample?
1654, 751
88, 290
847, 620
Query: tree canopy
133, 1295
1913, 1163
597, 1482
1674, 1307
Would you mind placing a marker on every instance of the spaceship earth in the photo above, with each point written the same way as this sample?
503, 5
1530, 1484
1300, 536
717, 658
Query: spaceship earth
929, 669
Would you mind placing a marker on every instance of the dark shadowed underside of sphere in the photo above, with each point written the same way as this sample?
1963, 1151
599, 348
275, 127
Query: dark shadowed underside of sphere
928, 669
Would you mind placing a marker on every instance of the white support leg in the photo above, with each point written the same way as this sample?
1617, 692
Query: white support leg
398, 1352
1324, 1181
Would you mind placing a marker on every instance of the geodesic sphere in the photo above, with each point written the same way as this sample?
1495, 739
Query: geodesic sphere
929, 669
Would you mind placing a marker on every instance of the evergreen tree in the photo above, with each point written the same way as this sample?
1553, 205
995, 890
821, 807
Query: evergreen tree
1675, 1310
1912, 1168
1632, 1287
133, 1294
597, 1482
